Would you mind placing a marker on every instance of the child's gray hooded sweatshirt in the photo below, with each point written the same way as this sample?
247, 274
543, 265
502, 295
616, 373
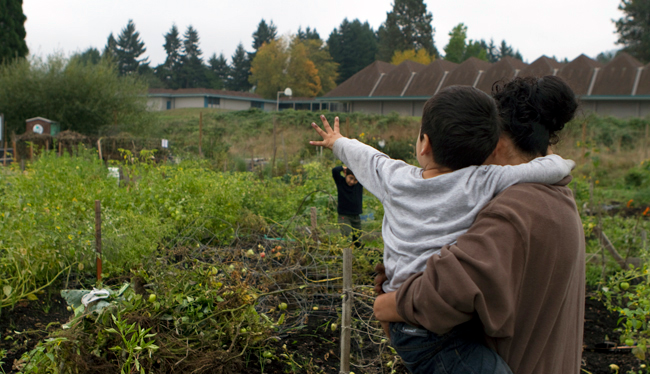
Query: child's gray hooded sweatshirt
422, 215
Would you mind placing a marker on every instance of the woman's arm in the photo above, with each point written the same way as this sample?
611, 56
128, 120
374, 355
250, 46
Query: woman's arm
477, 275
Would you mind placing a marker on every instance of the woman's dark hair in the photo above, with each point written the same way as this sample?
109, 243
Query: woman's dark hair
463, 127
534, 110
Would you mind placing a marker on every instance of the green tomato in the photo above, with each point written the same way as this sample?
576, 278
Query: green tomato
267, 354
152, 298
282, 306
629, 342
624, 286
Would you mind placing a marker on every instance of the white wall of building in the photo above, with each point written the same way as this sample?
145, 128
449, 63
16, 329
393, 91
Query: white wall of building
189, 102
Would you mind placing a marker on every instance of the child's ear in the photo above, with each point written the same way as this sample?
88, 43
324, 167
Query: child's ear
426, 146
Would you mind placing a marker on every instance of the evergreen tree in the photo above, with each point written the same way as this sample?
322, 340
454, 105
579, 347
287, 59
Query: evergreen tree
353, 46
634, 28
459, 49
129, 47
110, 50
318, 53
264, 34
193, 72
605, 57
12, 30
491, 50
308, 34
408, 26
239, 70
170, 71
90, 56
220, 71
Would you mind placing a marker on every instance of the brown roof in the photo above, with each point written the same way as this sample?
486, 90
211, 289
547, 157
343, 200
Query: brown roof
579, 73
428, 79
644, 82
395, 81
466, 73
504, 69
618, 76
363, 82
202, 91
541, 67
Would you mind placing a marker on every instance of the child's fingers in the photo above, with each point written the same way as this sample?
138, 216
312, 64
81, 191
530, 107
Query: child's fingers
318, 130
326, 124
336, 125
318, 143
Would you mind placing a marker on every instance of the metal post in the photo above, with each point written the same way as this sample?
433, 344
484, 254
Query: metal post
346, 317
98, 239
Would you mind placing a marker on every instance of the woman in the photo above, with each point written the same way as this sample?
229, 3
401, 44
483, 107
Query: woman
519, 270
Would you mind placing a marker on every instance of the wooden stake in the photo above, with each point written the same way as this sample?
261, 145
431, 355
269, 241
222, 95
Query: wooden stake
584, 138
645, 143
346, 317
347, 127
200, 133
13, 142
98, 239
4, 159
99, 148
274, 149
31, 152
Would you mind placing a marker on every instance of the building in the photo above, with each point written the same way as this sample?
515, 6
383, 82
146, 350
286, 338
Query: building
165, 99
621, 88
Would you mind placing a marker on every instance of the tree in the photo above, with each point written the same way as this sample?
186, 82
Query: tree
308, 34
170, 71
268, 69
110, 50
421, 56
408, 26
302, 72
264, 34
81, 97
318, 53
12, 30
459, 49
89, 56
607, 56
220, 71
128, 48
302, 65
193, 72
240, 70
353, 46
634, 28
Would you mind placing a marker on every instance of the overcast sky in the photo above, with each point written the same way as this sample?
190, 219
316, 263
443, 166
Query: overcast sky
561, 28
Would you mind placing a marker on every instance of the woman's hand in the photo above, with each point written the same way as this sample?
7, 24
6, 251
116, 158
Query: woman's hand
385, 308
329, 135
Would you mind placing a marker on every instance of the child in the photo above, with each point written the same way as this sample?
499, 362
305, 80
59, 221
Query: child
350, 202
429, 207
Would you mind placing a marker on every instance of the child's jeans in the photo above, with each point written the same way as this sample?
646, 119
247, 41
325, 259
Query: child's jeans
460, 351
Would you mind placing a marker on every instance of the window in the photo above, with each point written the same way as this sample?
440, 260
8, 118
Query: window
257, 104
213, 101
169, 104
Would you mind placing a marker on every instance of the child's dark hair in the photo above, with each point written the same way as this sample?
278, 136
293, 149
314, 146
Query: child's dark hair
534, 110
348, 172
463, 126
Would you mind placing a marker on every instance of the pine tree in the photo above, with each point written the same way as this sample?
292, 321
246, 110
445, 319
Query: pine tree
264, 34
240, 70
193, 72
353, 46
459, 49
408, 26
12, 30
634, 28
170, 71
110, 50
220, 71
129, 47
308, 34
90, 56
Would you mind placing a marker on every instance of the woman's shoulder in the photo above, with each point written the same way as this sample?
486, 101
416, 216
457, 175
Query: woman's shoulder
534, 199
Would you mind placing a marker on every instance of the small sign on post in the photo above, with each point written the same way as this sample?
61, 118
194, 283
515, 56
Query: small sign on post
165, 143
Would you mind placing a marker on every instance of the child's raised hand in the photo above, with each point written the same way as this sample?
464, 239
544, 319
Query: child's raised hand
329, 135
